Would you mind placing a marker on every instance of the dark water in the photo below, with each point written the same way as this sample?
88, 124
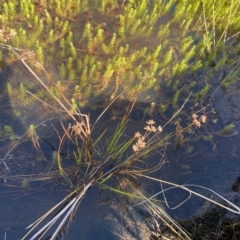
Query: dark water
20, 206
103, 214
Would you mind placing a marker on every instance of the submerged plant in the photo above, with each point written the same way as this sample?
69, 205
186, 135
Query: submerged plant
105, 48
64, 54
8, 129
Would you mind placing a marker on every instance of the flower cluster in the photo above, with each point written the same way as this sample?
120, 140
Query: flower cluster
6, 35
141, 143
201, 119
151, 128
78, 128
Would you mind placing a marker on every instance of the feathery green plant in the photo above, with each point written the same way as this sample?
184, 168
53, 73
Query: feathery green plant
63, 54
134, 40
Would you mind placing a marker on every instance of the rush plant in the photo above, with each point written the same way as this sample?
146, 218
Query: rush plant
63, 54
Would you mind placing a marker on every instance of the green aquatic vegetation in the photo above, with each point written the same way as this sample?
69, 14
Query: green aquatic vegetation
175, 97
232, 78
202, 93
81, 48
208, 137
77, 40
9, 89
162, 108
85, 49
8, 129
54, 157
22, 91
25, 183
226, 129
151, 110
189, 149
